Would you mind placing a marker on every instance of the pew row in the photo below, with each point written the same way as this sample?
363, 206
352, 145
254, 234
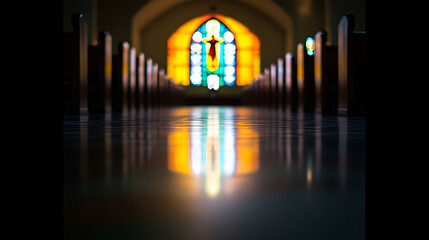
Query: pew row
351, 68
100, 75
305, 79
120, 78
325, 75
75, 67
291, 83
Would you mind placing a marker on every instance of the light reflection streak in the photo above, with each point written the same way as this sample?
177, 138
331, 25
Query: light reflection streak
125, 153
309, 169
288, 143
83, 132
300, 141
141, 147
212, 179
342, 150
133, 149
211, 146
132, 82
108, 147
318, 144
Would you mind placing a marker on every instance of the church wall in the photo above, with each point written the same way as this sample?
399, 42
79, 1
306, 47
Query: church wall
270, 35
307, 16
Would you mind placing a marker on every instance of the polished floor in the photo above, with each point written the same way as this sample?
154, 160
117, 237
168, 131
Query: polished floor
214, 173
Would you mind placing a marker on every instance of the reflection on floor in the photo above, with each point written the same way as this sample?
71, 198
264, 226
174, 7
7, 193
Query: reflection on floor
214, 173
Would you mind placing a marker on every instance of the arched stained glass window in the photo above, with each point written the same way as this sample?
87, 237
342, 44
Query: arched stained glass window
247, 52
213, 55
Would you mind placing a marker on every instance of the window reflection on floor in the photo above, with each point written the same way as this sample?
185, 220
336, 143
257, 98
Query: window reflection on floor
213, 145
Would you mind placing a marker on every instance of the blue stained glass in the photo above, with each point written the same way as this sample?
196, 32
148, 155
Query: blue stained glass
223, 62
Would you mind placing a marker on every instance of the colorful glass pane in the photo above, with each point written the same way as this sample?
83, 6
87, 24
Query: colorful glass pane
309, 45
247, 58
213, 53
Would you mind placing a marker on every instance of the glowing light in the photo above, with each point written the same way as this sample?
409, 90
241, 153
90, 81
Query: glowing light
196, 48
213, 82
309, 44
196, 156
213, 170
229, 70
196, 69
197, 37
229, 59
196, 79
222, 148
228, 36
195, 59
229, 79
212, 51
230, 48
247, 51
309, 175
213, 27
210, 55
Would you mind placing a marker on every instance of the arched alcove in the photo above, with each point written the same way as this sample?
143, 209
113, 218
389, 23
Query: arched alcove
247, 55
154, 23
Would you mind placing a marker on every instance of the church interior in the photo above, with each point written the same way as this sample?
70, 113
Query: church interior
223, 119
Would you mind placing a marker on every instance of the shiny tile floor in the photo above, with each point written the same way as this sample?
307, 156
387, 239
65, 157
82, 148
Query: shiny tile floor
214, 173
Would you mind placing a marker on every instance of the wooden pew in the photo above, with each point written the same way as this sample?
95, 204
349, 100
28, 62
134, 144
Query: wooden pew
305, 78
260, 88
161, 87
132, 84
75, 75
325, 75
261, 102
255, 94
281, 91
176, 93
100, 75
120, 78
291, 84
248, 93
155, 85
267, 87
148, 83
351, 68
167, 87
274, 86
140, 94
171, 92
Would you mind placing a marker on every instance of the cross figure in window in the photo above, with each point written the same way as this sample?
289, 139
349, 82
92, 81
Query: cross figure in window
212, 50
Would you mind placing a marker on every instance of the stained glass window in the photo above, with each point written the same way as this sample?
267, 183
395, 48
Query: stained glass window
213, 55
309, 45
247, 55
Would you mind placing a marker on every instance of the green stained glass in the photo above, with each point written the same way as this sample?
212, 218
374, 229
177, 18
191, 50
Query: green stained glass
213, 55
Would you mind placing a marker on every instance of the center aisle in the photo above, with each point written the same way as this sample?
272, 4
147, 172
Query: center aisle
214, 173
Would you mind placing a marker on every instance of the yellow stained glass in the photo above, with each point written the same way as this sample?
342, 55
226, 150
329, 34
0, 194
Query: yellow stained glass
181, 58
245, 58
246, 75
246, 42
181, 74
